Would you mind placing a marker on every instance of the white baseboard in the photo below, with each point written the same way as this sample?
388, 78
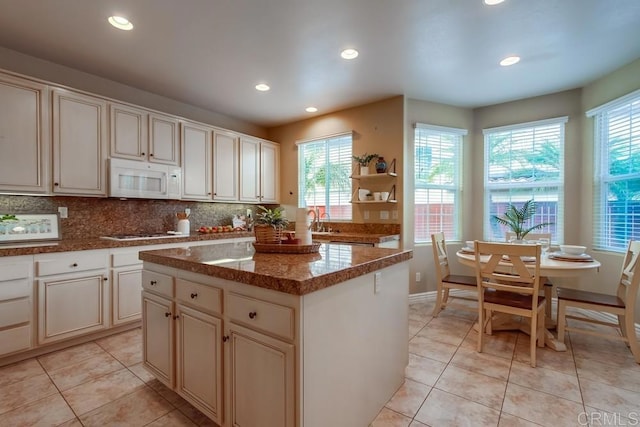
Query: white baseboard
430, 296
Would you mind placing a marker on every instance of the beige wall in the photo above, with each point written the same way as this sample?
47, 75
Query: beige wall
377, 128
34, 67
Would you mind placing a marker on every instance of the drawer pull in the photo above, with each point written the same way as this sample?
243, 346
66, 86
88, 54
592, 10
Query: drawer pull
153, 283
167, 314
75, 264
176, 317
194, 296
252, 315
225, 338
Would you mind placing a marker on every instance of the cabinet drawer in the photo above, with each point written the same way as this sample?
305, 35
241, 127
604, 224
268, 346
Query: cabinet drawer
15, 288
124, 259
269, 317
14, 271
157, 282
15, 312
15, 339
198, 295
70, 262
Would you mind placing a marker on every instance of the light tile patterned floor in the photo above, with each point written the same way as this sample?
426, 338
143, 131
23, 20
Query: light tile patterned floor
596, 382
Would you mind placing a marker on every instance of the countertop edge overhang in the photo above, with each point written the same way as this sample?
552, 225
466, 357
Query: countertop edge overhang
34, 248
280, 283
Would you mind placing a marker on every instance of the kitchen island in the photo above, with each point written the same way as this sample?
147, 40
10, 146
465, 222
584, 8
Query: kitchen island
278, 339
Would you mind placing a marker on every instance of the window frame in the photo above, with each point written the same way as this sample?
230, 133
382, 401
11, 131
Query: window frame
491, 188
347, 165
603, 222
454, 187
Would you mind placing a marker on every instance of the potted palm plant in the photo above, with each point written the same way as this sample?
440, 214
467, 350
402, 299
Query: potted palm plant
516, 219
269, 224
364, 161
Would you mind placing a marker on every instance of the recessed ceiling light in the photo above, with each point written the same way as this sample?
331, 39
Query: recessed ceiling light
120, 22
311, 109
262, 87
510, 60
492, 2
349, 53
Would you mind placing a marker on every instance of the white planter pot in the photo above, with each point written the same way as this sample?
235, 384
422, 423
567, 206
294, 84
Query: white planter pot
364, 170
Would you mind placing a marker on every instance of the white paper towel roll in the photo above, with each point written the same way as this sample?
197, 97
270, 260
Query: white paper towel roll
302, 226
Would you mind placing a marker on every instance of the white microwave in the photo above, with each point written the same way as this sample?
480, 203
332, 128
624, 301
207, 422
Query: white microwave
143, 180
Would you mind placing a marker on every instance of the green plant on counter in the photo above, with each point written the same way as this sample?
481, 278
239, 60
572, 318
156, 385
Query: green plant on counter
273, 217
7, 217
515, 219
365, 159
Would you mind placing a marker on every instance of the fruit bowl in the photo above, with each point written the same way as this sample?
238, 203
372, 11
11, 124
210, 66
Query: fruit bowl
573, 249
218, 229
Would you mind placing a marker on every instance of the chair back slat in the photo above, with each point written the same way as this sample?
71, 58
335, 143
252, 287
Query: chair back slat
630, 276
440, 255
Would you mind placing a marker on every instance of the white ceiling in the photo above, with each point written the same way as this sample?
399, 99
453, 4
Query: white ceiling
211, 53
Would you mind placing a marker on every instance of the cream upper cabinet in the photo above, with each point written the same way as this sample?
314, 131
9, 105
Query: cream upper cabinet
225, 166
164, 139
196, 161
249, 170
24, 136
259, 171
138, 134
79, 144
269, 172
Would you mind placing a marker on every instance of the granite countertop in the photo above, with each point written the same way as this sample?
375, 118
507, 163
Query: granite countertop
297, 274
31, 248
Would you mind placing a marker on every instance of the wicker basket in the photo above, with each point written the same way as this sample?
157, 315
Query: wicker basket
267, 234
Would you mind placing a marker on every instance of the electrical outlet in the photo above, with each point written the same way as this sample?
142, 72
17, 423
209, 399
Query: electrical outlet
366, 214
187, 211
384, 214
418, 276
377, 282
64, 212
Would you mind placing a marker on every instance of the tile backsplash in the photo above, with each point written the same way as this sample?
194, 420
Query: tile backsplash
90, 217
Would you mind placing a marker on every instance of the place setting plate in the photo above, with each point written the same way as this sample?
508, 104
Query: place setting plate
561, 256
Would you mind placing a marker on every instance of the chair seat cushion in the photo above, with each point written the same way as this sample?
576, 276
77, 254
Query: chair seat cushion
590, 297
511, 299
460, 279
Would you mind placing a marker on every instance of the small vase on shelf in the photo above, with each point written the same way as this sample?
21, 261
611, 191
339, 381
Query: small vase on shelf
381, 165
364, 169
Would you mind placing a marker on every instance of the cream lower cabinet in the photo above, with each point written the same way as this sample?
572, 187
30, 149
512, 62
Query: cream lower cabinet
73, 297
126, 284
16, 304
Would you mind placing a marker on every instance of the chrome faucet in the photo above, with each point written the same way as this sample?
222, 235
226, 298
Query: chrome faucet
322, 228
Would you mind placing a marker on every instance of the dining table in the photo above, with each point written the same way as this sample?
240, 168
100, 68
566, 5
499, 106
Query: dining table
552, 264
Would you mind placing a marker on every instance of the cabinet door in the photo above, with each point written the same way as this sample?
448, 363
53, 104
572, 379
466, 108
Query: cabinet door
269, 173
128, 132
199, 360
164, 141
249, 170
79, 144
261, 379
126, 303
60, 314
196, 162
157, 337
225, 166
24, 136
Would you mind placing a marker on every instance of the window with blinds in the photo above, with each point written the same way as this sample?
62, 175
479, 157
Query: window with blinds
437, 182
616, 213
523, 162
324, 170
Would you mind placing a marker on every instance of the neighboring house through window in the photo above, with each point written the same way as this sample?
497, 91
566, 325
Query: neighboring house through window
616, 210
522, 162
437, 182
324, 170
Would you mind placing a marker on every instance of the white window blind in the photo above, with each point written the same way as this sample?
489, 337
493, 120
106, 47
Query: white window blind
523, 162
324, 170
617, 173
438, 159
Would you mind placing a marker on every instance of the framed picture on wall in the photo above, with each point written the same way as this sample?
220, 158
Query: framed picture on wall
21, 227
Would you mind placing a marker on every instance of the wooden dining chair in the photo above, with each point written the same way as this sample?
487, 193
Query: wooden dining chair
447, 281
508, 283
547, 286
621, 305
